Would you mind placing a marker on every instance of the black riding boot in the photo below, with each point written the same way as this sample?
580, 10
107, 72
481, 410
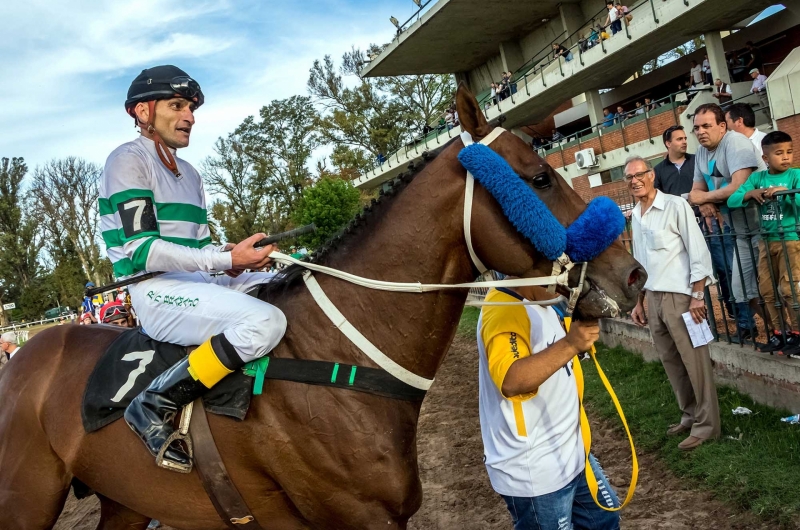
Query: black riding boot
150, 414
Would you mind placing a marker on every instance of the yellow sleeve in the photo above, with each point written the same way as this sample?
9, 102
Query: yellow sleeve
505, 331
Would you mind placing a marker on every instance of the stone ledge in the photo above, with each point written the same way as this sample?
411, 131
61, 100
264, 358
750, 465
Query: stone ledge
768, 379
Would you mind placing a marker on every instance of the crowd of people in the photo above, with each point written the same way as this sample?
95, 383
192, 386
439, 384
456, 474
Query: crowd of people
714, 217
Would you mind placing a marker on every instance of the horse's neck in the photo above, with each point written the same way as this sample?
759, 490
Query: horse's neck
416, 236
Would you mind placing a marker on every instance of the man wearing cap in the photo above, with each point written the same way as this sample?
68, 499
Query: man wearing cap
8, 344
760, 87
154, 218
115, 314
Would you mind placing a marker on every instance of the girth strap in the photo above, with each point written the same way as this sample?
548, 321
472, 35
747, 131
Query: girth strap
336, 375
219, 487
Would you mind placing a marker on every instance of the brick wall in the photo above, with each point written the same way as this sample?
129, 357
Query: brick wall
636, 132
618, 191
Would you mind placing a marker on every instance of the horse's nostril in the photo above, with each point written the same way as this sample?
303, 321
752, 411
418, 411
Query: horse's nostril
634, 276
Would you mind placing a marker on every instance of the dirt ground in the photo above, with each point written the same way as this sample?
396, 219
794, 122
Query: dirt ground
457, 493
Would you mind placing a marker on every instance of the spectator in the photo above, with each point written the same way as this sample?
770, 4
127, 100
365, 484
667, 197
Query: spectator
737, 67
87, 319
442, 125
557, 136
776, 251
493, 94
678, 267
603, 33
649, 105
760, 87
722, 91
674, 175
583, 43
741, 118
613, 19
610, 117
753, 57
380, 158
560, 51
707, 79
621, 115
115, 314
594, 36
512, 85
639, 108
622, 14
528, 370
449, 119
695, 74
725, 160
9, 344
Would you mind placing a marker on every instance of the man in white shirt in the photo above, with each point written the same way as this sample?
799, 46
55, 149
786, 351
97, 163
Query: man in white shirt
8, 344
669, 244
695, 74
760, 87
741, 118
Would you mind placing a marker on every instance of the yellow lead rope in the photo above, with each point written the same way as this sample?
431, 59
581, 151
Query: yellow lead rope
586, 433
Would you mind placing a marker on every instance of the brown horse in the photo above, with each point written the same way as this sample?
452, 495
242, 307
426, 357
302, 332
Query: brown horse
306, 456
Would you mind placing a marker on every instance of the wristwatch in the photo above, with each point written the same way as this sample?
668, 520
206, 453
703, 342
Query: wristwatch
698, 295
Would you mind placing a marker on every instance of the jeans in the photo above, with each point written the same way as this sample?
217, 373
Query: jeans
616, 27
568, 57
571, 507
722, 260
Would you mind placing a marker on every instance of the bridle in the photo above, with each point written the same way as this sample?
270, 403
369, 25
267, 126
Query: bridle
559, 276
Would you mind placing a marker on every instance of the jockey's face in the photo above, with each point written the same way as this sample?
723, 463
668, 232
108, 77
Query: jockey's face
174, 120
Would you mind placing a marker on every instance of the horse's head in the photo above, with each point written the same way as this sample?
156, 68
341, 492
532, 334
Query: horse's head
614, 278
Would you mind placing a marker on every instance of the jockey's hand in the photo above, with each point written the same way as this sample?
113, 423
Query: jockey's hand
245, 256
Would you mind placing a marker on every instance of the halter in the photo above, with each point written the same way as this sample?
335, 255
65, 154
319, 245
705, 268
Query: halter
561, 265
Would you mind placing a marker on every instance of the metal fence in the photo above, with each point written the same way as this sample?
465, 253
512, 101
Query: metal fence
757, 272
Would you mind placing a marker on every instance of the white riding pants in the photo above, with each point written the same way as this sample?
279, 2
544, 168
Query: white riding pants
188, 308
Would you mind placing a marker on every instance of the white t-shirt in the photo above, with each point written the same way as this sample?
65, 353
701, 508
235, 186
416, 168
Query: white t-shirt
756, 139
532, 443
613, 14
697, 74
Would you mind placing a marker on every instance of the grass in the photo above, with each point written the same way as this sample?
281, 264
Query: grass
754, 465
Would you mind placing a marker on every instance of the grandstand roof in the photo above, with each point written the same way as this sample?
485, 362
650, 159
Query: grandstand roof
458, 35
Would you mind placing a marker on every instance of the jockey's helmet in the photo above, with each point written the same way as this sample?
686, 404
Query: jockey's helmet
162, 82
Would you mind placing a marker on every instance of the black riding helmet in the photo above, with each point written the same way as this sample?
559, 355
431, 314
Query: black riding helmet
163, 82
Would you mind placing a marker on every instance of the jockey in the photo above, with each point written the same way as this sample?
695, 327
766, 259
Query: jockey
153, 218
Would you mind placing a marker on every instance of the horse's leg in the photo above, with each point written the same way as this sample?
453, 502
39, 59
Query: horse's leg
33, 481
114, 516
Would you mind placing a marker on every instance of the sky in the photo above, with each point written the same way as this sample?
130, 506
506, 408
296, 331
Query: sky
66, 66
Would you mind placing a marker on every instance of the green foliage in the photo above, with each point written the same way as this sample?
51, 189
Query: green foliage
330, 204
261, 169
376, 115
756, 457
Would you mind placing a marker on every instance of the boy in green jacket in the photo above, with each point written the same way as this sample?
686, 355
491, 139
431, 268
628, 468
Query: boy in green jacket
779, 261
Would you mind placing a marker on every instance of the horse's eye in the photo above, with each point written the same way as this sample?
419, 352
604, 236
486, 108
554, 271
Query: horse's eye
541, 181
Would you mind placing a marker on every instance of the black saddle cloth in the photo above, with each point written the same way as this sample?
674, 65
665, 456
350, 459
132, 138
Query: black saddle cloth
131, 363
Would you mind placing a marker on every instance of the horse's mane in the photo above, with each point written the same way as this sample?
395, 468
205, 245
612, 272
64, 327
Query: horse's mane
354, 228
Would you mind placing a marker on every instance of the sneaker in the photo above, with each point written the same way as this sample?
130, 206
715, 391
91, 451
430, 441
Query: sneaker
792, 344
774, 343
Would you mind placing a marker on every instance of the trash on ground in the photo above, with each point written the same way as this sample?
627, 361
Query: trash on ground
792, 419
741, 411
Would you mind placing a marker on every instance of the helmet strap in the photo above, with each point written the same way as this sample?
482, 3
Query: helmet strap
164, 154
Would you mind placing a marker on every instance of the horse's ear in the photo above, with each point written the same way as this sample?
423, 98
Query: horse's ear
469, 113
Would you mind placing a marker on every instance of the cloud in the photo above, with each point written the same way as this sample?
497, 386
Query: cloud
67, 65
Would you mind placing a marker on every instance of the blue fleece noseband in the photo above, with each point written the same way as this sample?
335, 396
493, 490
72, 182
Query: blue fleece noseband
591, 233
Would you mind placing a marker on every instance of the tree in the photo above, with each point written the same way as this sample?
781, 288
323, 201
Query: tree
329, 204
377, 115
261, 168
64, 194
20, 240
683, 50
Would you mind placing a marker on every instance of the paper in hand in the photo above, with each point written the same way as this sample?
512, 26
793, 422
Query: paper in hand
699, 333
